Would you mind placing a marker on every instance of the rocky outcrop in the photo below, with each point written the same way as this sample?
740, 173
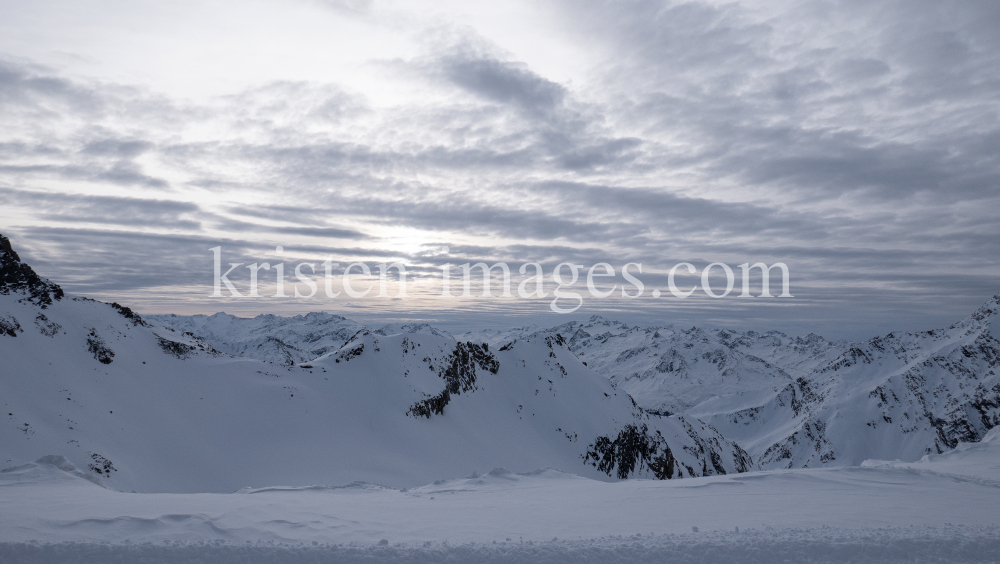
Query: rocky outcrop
17, 277
459, 374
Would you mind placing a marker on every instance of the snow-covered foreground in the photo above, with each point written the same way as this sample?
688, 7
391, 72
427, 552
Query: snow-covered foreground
943, 508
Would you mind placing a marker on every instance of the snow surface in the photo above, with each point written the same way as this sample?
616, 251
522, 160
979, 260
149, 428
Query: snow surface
940, 509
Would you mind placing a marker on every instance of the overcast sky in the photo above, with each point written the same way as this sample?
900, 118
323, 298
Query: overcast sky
857, 142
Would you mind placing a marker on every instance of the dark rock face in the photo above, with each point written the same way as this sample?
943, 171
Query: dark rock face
635, 445
459, 375
132, 316
17, 277
180, 350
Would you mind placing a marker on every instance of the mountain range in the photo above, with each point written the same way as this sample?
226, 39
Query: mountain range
789, 401
215, 403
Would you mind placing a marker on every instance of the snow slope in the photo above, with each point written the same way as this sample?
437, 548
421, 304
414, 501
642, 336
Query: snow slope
968, 460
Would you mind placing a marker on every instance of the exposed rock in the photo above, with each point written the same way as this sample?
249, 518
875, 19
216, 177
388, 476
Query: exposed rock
9, 326
459, 374
96, 345
17, 277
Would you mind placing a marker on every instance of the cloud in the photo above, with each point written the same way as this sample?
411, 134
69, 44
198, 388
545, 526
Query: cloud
349, 7
235, 226
35, 87
121, 148
876, 102
108, 210
855, 141
503, 82
101, 262
121, 173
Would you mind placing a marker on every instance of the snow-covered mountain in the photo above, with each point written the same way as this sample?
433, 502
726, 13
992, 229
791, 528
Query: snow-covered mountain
495, 336
412, 329
806, 401
899, 396
281, 340
152, 408
670, 370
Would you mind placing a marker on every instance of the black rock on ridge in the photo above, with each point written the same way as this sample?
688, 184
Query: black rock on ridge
15, 276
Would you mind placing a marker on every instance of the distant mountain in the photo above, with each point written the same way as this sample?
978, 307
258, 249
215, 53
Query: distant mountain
272, 338
899, 396
671, 370
144, 406
497, 336
412, 329
281, 340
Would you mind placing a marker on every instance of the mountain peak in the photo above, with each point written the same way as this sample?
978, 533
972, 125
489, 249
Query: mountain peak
15, 276
407, 328
988, 315
989, 309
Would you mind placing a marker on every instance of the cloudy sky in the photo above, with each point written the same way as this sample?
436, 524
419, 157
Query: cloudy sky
857, 142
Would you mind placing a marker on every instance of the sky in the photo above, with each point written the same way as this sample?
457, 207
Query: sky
856, 142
